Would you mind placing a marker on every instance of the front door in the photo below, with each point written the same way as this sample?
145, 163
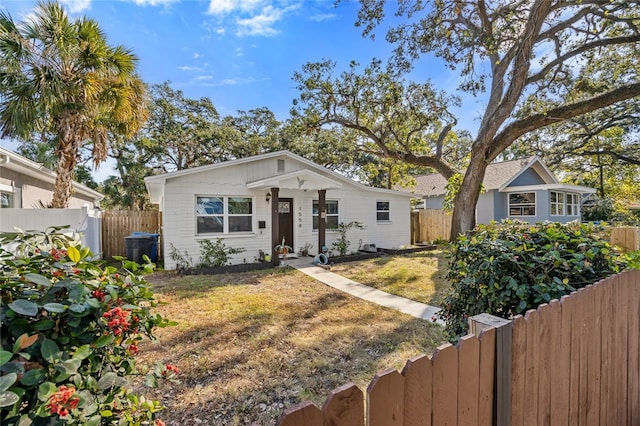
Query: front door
285, 215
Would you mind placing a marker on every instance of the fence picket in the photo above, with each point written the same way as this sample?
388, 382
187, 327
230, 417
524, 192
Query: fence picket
487, 378
385, 399
544, 358
518, 368
531, 373
445, 385
306, 413
418, 385
344, 406
468, 380
556, 374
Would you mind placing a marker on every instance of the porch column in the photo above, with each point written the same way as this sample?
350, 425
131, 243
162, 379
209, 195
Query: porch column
322, 219
275, 226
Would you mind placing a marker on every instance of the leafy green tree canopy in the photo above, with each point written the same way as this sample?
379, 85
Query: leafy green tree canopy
525, 57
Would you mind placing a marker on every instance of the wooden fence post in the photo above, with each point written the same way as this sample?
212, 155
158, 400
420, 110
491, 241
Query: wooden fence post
502, 387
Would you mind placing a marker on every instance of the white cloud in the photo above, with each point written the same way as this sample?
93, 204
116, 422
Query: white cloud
197, 55
260, 25
239, 52
223, 7
188, 68
251, 17
323, 17
76, 6
204, 77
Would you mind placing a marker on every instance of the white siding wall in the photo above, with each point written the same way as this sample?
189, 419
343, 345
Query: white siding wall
355, 203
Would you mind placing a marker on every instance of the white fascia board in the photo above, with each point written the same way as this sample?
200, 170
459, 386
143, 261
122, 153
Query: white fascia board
550, 186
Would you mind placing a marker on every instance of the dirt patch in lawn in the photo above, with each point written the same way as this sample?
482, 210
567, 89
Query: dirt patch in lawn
417, 276
250, 345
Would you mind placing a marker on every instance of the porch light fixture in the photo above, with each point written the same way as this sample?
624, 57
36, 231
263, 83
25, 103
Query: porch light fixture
268, 197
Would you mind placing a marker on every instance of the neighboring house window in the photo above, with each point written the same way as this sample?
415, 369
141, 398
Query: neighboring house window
522, 204
221, 215
573, 204
557, 203
332, 219
6, 200
382, 211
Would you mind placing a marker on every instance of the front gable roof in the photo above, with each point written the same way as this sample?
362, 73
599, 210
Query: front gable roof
313, 176
499, 176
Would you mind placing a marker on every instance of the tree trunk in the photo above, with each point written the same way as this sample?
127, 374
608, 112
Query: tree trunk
67, 160
464, 210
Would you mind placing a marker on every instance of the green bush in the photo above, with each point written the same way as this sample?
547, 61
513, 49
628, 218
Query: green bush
505, 269
70, 330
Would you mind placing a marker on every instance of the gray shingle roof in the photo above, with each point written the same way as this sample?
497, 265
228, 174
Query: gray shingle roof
497, 174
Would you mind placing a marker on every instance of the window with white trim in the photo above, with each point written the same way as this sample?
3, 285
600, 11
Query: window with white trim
6, 200
223, 215
573, 204
332, 218
557, 203
383, 211
522, 204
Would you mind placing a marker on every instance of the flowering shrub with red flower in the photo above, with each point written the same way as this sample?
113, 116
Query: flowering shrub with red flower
70, 329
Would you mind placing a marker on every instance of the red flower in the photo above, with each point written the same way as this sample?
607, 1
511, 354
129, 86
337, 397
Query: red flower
117, 320
58, 273
62, 401
169, 369
133, 349
99, 294
159, 423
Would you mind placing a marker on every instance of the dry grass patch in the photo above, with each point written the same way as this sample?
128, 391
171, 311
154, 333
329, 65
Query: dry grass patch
420, 276
249, 345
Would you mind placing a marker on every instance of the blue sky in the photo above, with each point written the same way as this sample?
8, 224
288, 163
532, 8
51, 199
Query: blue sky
239, 53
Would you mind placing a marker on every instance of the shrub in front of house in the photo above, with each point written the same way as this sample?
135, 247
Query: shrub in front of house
70, 332
507, 268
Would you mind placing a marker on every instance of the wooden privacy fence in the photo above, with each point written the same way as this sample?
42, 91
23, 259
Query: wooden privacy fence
428, 225
569, 362
626, 237
118, 224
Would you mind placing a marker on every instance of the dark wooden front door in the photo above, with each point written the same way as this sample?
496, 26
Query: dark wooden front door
285, 215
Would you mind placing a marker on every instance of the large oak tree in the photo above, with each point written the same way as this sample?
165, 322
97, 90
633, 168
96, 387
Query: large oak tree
525, 57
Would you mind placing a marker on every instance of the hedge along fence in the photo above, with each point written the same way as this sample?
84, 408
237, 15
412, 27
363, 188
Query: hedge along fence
573, 361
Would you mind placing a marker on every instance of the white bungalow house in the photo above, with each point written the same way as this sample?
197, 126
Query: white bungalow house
522, 189
257, 202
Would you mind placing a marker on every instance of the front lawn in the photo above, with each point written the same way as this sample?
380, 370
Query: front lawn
250, 345
419, 276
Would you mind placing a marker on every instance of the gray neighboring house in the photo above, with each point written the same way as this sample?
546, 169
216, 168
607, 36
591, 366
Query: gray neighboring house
522, 189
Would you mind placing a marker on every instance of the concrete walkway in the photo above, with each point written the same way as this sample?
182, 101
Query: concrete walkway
413, 308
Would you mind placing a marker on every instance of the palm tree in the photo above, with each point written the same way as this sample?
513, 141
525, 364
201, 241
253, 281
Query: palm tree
59, 78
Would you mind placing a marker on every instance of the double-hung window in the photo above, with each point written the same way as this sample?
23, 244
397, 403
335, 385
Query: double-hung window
522, 204
224, 215
573, 204
383, 211
557, 203
332, 217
